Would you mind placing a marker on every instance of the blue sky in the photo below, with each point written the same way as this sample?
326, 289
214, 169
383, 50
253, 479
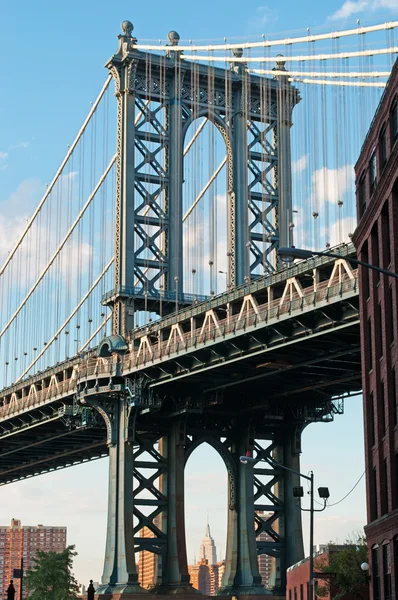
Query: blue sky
52, 67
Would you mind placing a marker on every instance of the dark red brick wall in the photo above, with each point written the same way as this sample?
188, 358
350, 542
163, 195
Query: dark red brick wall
376, 240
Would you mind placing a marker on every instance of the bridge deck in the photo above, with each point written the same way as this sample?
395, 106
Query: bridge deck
289, 341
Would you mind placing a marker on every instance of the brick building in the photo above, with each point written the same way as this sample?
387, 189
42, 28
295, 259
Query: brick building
147, 566
376, 240
19, 542
298, 577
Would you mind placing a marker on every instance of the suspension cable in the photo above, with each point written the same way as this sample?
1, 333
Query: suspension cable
57, 174
268, 43
56, 334
58, 250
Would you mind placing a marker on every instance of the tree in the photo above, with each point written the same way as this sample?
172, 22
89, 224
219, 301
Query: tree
344, 565
51, 578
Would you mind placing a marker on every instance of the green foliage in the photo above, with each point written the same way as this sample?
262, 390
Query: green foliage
51, 578
348, 576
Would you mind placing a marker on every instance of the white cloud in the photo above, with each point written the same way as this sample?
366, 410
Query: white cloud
338, 232
300, 164
5, 155
329, 185
354, 7
349, 8
264, 15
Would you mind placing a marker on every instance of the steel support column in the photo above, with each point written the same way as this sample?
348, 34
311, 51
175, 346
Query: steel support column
175, 577
123, 70
120, 577
242, 577
240, 225
285, 105
289, 526
175, 153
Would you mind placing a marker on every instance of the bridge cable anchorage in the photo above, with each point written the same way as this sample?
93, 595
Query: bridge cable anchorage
58, 173
333, 35
61, 245
61, 328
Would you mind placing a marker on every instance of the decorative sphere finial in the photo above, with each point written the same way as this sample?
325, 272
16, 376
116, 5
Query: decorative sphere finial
237, 52
173, 37
127, 28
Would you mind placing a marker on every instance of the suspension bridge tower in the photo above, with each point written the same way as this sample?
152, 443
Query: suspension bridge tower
159, 95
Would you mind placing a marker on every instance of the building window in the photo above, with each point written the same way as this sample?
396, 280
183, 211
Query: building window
375, 251
374, 513
364, 272
380, 336
391, 310
395, 501
370, 345
382, 429
383, 148
362, 194
385, 229
375, 574
290, 594
387, 571
372, 172
384, 496
394, 397
295, 593
394, 123
372, 420
301, 591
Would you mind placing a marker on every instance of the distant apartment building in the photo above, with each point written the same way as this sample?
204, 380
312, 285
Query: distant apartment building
20, 543
376, 241
266, 563
148, 562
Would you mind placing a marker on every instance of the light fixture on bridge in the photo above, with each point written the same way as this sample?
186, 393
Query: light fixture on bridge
298, 491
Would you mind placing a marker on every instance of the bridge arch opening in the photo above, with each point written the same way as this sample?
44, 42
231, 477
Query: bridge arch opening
206, 508
205, 211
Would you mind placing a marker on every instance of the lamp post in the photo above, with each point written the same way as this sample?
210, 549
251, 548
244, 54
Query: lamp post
298, 492
287, 254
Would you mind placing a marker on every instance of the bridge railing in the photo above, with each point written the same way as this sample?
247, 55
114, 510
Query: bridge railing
266, 312
215, 328
36, 398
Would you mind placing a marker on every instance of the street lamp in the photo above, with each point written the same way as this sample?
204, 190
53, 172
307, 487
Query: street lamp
365, 571
287, 254
298, 492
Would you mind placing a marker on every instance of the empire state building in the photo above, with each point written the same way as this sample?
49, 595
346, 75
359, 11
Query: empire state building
208, 548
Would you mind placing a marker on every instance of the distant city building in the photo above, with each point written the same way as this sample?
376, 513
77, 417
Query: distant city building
148, 563
266, 562
376, 241
208, 548
19, 542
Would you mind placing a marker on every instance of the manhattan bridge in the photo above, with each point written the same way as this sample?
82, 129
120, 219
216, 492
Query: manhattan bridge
145, 308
